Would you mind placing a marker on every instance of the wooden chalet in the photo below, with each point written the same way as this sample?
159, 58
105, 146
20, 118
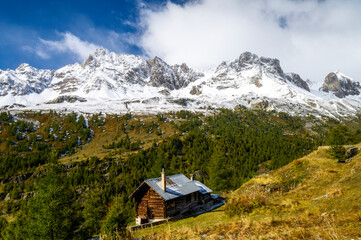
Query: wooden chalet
168, 196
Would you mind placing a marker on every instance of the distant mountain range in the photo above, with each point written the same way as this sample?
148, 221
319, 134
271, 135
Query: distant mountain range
109, 82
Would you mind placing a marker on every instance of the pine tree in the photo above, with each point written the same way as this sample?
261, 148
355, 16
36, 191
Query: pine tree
50, 213
116, 220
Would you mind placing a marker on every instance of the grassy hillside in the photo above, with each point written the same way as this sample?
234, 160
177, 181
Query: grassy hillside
100, 159
313, 197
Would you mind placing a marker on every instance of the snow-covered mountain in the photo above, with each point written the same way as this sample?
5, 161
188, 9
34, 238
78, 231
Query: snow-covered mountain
341, 85
109, 82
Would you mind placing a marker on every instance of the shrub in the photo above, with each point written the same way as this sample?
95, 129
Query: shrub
338, 152
245, 203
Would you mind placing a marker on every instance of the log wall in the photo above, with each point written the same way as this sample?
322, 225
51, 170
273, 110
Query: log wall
151, 206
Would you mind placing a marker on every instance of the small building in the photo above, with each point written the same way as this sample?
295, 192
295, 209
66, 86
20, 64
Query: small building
168, 196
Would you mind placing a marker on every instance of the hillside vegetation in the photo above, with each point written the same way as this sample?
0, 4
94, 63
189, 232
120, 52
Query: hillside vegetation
313, 197
77, 171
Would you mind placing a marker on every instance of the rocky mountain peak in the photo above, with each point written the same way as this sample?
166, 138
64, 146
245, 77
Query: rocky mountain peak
98, 57
171, 77
248, 60
297, 80
340, 85
252, 70
101, 52
249, 80
89, 61
272, 66
23, 66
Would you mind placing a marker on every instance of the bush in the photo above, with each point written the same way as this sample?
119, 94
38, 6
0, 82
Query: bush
245, 204
338, 152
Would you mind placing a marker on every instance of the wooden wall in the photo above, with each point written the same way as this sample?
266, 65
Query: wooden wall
151, 205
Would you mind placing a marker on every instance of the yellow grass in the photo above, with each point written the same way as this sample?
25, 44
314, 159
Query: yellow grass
323, 204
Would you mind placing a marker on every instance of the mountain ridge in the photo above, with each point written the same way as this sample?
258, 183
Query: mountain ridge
119, 82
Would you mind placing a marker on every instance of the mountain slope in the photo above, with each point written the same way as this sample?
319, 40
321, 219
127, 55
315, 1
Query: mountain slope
311, 198
111, 83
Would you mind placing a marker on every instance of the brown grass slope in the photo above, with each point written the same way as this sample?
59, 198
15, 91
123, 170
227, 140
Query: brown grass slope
311, 198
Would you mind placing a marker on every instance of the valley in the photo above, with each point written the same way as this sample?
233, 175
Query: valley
101, 158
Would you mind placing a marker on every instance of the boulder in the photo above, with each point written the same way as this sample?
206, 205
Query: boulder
352, 152
7, 198
196, 90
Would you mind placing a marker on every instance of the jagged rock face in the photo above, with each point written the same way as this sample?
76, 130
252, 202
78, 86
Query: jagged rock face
171, 77
164, 92
251, 69
263, 105
249, 60
272, 67
111, 82
102, 70
161, 74
69, 99
24, 80
245, 61
196, 90
340, 85
297, 80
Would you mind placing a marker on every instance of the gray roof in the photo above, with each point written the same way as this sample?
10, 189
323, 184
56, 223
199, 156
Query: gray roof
177, 186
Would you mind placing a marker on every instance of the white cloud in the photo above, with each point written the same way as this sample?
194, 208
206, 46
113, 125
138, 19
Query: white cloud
317, 36
68, 44
38, 51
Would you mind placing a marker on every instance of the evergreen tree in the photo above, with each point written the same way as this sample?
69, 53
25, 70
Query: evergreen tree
50, 213
94, 210
116, 220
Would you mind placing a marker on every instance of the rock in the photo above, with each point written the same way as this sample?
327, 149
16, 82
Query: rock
340, 85
68, 166
7, 198
151, 100
352, 152
297, 80
65, 98
21, 178
321, 197
81, 190
165, 92
25, 196
39, 174
247, 60
196, 90
170, 77
263, 105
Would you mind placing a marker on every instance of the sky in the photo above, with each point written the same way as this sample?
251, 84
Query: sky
309, 37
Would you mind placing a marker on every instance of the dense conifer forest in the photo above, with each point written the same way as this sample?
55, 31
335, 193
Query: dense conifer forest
56, 185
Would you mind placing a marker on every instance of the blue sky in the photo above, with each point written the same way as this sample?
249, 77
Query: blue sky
24, 23
309, 37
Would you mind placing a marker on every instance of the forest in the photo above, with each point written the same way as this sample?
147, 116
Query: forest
56, 185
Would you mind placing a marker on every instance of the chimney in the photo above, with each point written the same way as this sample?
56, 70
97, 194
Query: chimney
163, 180
192, 177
